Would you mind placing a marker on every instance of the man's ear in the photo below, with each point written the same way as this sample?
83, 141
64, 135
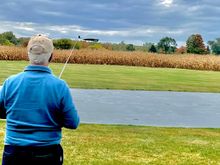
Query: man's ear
50, 57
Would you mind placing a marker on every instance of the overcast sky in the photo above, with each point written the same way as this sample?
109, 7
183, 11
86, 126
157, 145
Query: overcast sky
132, 21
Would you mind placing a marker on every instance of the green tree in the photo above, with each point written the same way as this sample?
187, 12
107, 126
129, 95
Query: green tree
2, 39
208, 51
63, 43
152, 49
167, 45
130, 47
215, 46
10, 37
147, 45
7, 43
120, 46
195, 44
96, 46
23, 41
107, 46
77, 44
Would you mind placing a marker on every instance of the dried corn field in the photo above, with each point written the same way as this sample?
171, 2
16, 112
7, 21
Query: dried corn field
88, 56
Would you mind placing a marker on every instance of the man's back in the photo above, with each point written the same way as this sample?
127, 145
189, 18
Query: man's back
37, 105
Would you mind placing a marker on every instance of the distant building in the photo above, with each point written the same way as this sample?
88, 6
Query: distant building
91, 39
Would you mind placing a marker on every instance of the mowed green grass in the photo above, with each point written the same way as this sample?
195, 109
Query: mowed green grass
126, 78
94, 144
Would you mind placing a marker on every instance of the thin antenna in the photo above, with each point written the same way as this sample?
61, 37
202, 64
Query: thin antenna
68, 58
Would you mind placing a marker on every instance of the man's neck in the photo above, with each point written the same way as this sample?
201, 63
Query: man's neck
39, 64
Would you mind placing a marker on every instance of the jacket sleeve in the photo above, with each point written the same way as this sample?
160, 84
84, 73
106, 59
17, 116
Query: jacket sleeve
2, 108
70, 115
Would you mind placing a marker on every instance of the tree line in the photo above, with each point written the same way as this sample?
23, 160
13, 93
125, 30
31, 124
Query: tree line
166, 45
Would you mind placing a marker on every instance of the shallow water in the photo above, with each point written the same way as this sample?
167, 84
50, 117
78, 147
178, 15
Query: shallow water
169, 109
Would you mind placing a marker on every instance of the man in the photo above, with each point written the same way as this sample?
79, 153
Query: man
36, 105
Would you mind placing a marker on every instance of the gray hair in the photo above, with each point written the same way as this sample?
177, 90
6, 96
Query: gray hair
39, 59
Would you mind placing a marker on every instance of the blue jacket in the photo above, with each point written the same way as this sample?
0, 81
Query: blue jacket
37, 105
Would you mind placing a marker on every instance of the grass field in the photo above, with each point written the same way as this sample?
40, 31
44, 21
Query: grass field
134, 145
125, 77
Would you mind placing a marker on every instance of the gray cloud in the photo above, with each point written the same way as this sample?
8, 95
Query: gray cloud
114, 21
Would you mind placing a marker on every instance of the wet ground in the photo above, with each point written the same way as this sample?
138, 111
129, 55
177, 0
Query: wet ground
169, 109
